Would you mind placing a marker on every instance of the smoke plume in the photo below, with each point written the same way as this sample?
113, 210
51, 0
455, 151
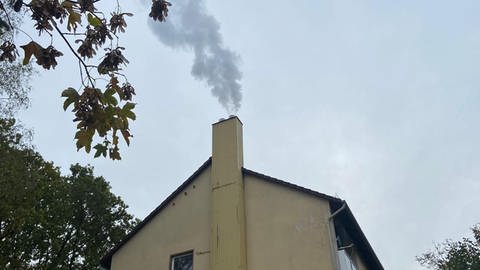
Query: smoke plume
189, 26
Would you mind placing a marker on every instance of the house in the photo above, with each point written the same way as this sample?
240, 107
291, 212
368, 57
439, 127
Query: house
227, 217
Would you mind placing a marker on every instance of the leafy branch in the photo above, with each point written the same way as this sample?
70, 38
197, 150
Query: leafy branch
101, 113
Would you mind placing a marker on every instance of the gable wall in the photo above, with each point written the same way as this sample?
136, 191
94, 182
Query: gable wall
177, 228
285, 229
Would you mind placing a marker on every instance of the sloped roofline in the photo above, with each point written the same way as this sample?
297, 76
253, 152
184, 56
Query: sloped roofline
346, 216
106, 261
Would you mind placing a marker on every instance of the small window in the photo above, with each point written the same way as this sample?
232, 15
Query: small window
182, 261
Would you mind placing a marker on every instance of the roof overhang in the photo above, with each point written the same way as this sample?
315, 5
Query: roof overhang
345, 217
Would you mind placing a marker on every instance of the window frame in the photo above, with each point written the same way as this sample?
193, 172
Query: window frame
179, 255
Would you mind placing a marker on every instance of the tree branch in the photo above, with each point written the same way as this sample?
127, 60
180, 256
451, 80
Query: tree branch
6, 14
68, 236
74, 52
73, 34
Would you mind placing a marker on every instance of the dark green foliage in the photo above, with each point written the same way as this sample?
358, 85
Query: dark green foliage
455, 255
50, 221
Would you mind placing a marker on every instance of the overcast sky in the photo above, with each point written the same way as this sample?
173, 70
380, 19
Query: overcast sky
377, 102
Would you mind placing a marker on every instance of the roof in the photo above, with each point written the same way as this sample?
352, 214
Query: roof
345, 217
106, 261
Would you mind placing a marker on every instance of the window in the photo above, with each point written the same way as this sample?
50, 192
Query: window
346, 248
346, 262
183, 261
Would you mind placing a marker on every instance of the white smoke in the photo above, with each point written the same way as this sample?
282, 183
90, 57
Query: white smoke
189, 26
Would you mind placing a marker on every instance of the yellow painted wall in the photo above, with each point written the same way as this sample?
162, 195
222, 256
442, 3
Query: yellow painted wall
177, 228
286, 229
228, 211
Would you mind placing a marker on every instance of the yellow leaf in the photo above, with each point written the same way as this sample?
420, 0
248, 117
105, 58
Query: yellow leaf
84, 139
67, 4
115, 140
93, 20
73, 19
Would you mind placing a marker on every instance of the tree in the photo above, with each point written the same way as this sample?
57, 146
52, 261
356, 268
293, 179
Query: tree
17, 195
107, 110
455, 255
50, 221
14, 76
14, 87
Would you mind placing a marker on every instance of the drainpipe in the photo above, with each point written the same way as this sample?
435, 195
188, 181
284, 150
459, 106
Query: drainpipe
333, 240
338, 211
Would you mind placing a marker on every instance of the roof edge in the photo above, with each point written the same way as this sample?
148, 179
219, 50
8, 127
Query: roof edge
106, 261
372, 258
292, 186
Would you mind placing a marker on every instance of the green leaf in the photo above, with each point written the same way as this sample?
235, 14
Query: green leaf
101, 150
67, 103
72, 96
127, 110
70, 93
111, 100
118, 123
128, 106
99, 93
110, 91
130, 114
93, 20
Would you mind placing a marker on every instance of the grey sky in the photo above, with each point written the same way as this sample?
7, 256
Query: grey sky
377, 102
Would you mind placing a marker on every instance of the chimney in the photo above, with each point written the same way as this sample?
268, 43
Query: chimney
228, 209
